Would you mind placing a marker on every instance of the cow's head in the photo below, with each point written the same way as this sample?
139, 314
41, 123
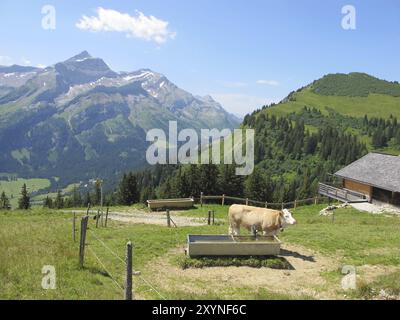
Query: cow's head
288, 218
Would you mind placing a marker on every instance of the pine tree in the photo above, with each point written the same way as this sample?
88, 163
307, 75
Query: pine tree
146, 194
208, 178
59, 201
48, 203
76, 198
165, 189
230, 183
87, 199
182, 185
128, 191
258, 186
311, 144
4, 202
193, 180
97, 192
24, 200
304, 191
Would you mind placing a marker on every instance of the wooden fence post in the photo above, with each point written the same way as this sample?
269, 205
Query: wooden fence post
213, 217
84, 223
128, 280
295, 203
88, 208
282, 206
106, 217
97, 218
315, 200
223, 200
102, 217
168, 219
209, 217
247, 201
74, 226
266, 204
201, 199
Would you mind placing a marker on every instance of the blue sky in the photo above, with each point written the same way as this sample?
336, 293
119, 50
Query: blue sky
243, 53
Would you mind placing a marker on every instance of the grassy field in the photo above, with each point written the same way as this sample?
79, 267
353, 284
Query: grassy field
29, 240
67, 190
375, 105
41, 237
13, 188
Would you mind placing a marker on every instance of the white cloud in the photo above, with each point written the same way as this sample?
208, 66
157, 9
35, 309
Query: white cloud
241, 104
268, 82
148, 28
41, 66
5, 60
25, 61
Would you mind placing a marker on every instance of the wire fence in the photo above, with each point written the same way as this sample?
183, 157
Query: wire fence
115, 276
112, 276
105, 268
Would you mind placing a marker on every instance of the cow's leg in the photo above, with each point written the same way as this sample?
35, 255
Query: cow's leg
234, 229
270, 233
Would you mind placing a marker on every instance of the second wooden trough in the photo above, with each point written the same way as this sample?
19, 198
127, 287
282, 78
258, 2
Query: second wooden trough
170, 203
227, 245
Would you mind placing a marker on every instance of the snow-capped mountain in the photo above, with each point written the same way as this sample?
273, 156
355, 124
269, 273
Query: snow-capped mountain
79, 118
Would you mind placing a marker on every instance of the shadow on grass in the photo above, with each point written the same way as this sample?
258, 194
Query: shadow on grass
95, 270
289, 253
271, 262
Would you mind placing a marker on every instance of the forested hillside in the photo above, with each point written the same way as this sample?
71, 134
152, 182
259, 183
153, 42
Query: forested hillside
354, 85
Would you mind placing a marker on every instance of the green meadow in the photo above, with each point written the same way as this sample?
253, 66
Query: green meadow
31, 239
12, 188
375, 105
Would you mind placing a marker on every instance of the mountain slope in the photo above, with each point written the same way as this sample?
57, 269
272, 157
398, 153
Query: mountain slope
354, 94
298, 143
79, 119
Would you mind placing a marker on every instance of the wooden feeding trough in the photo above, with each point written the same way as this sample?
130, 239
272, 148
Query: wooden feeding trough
227, 245
170, 203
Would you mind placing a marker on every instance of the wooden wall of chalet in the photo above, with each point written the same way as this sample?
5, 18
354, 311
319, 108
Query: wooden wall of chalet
357, 186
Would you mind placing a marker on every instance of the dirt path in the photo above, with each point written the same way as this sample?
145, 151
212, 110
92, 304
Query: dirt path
304, 280
157, 218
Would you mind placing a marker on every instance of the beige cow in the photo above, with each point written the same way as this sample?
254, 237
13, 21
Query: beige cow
269, 221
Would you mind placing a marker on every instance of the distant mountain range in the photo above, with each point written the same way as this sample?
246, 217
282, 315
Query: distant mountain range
79, 119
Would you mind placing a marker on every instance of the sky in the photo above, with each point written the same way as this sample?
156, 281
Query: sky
244, 53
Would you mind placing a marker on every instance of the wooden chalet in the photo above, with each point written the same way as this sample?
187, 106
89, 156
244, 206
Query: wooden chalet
375, 176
